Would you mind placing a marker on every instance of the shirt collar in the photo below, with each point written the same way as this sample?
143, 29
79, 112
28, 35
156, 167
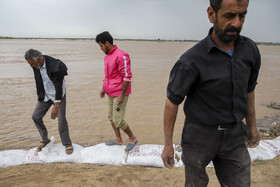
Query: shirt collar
211, 44
115, 47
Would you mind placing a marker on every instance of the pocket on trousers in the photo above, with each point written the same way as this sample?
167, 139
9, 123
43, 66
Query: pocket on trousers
245, 131
239, 134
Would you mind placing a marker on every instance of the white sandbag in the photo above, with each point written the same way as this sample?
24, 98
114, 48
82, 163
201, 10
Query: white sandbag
53, 153
146, 155
267, 149
33, 157
12, 157
56, 153
102, 154
273, 145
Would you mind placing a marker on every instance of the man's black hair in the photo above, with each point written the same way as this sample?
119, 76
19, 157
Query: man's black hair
103, 37
217, 4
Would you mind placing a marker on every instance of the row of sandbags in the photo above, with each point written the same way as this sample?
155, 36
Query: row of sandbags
101, 154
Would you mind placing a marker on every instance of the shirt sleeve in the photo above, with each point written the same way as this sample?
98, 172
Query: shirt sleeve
254, 73
124, 67
58, 81
182, 77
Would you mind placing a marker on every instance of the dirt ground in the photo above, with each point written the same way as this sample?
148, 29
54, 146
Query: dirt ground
264, 173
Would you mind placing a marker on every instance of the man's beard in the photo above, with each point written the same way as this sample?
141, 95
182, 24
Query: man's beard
222, 34
106, 51
39, 66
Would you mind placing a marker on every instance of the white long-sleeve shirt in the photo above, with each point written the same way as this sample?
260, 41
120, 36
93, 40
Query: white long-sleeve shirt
49, 86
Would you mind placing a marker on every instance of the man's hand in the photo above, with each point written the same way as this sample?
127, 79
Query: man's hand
124, 89
102, 94
170, 113
120, 99
253, 133
55, 110
167, 156
253, 138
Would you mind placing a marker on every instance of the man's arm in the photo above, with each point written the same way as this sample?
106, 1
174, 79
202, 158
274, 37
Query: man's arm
253, 134
58, 92
124, 89
57, 79
124, 69
54, 111
170, 114
58, 83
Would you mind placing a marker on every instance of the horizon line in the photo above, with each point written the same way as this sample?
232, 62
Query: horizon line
120, 39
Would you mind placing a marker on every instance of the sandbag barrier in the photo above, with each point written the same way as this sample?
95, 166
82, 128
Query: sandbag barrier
100, 154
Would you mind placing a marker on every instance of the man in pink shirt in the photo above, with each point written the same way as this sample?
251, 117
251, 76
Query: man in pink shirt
117, 85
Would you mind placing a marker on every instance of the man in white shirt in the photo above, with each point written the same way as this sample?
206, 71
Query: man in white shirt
49, 76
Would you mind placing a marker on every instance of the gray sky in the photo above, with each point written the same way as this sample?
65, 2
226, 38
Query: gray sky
129, 19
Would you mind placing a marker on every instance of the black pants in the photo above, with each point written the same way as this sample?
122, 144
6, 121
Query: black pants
225, 147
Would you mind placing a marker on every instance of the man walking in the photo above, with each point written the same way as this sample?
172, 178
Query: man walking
49, 77
117, 85
218, 76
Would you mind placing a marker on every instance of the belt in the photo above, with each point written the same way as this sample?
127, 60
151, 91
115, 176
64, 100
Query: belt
224, 127
220, 127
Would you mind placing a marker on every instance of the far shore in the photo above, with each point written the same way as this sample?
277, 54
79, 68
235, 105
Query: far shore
144, 40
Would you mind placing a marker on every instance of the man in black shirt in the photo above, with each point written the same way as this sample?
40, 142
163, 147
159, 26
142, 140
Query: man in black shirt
218, 76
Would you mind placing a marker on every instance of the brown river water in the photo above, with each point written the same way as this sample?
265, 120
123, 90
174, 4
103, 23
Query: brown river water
86, 112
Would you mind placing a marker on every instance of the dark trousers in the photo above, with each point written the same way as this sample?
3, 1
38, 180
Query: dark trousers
225, 147
40, 111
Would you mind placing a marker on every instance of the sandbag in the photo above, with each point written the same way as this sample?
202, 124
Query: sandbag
267, 149
12, 157
146, 155
53, 153
102, 154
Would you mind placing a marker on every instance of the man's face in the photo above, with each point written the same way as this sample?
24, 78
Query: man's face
229, 19
35, 64
103, 47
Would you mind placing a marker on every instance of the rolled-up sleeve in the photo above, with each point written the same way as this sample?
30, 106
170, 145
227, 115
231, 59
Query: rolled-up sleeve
124, 67
181, 78
254, 74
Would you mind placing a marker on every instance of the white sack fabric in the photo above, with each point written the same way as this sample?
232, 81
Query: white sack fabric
101, 154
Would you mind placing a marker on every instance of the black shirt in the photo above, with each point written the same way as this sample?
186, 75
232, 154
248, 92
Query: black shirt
216, 84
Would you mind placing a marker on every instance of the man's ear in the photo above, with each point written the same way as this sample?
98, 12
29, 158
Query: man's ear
211, 14
107, 44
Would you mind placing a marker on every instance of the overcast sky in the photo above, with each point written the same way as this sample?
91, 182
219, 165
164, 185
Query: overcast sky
129, 19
